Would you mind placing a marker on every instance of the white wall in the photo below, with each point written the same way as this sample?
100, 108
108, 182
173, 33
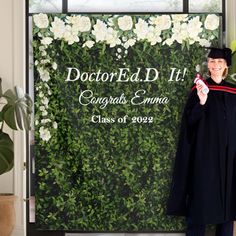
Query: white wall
12, 69
12, 66
230, 21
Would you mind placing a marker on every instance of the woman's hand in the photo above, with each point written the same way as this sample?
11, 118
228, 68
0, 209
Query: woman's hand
202, 96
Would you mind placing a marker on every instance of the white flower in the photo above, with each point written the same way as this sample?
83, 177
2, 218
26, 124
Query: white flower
84, 24
141, 29
36, 62
125, 23
55, 125
45, 101
112, 37
41, 94
110, 22
119, 56
168, 41
36, 122
100, 31
54, 65
204, 43
212, 22
46, 41
124, 39
153, 35
81, 23
45, 61
42, 48
194, 27
88, 44
44, 134
71, 35
162, 22
129, 43
44, 113
179, 17
44, 121
43, 53
41, 20
119, 50
42, 108
58, 28
49, 92
180, 32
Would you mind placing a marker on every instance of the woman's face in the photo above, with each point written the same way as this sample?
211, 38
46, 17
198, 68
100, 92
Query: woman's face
216, 66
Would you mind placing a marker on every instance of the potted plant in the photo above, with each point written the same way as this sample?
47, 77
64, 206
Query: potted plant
15, 111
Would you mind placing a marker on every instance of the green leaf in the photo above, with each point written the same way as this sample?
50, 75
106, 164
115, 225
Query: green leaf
17, 112
233, 45
9, 116
6, 153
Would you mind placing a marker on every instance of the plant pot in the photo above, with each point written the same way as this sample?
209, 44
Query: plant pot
7, 214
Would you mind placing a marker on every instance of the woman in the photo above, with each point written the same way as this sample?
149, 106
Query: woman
204, 178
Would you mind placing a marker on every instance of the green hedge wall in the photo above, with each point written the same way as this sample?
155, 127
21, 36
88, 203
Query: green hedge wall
109, 176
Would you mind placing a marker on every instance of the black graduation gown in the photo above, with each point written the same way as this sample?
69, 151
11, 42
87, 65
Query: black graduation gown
204, 175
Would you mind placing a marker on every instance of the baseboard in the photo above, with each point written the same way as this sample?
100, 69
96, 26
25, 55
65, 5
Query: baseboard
18, 231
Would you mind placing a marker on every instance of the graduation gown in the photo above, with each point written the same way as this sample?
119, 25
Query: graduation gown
204, 175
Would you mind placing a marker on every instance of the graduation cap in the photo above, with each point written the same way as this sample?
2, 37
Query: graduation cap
224, 53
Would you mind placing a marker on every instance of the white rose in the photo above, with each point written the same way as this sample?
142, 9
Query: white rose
169, 41
112, 37
129, 43
41, 94
36, 122
44, 121
110, 22
58, 28
55, 126
46, 41
72, 19
81, 23
204, 43
194, 27
44, 113
44, 134
162, 22
42, 108
125, 23
41, 20
70, 35
141, 29
42, 48
43, 53
179, 17
100, 31
45, 61
88, 44
153, 35
84, 24
212, 22
45, 101
44, 74
54, 65
180, 32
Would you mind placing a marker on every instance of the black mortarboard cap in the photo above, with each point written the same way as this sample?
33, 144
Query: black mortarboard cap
224, 53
